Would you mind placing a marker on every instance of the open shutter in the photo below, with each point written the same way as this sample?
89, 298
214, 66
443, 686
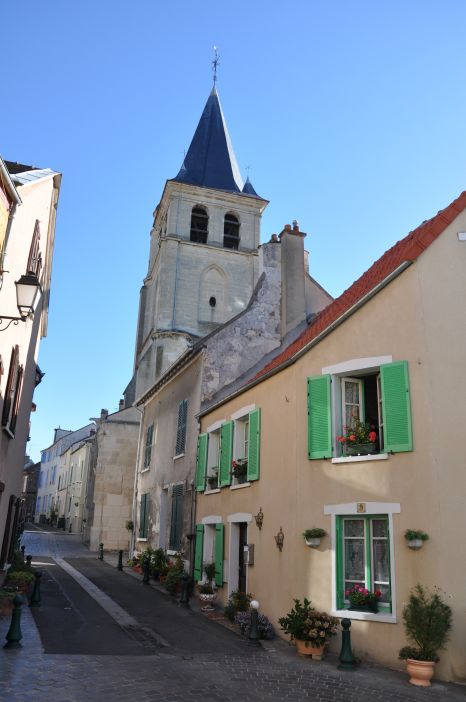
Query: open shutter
201, 463
396, 407
226, 453
198, 552
254, 444
319, 417
219, 536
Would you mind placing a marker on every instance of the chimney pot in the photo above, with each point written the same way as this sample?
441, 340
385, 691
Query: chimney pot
287, 227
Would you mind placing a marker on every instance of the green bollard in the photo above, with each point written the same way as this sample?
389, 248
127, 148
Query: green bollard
146, 572
35, 597
254, 626
185, 582
29, 560
347, 661
120, 560
23, 548
101, 552
14, 634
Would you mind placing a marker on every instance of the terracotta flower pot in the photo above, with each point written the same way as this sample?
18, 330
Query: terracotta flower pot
306, 648
421, 672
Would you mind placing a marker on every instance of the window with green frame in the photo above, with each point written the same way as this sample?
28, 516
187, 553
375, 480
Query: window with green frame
363, 557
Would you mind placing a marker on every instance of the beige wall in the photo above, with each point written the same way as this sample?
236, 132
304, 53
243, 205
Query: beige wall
420, 317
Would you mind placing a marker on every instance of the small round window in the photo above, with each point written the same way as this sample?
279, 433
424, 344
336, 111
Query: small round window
212, 302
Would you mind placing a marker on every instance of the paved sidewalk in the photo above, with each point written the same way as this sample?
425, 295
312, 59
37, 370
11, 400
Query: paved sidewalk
192, 668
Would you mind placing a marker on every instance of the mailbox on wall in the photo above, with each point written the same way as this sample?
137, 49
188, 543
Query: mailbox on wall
249, 554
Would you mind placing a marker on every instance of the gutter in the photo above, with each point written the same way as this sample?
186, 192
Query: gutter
333, 325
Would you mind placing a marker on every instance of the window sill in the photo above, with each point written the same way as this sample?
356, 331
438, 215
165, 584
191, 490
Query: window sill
178, 455
141, 538
358, 459
382, 617
211, 492
171, 552
241, 485
145, 470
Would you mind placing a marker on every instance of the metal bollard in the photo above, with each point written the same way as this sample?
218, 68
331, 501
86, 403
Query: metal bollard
101, 552
185, 582
254, 626
146, 572
23, 548
347, 661
29, 560
35, 597
14, 634
120, 560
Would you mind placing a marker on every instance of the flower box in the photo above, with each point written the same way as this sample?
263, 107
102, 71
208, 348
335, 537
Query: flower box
366, 607
360, 449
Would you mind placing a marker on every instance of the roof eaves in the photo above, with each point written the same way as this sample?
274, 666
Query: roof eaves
9, 182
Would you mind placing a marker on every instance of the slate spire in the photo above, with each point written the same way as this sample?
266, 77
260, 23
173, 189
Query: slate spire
211, 161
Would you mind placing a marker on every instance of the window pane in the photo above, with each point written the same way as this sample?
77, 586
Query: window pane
379, 528
381, 563
354, 527
354, 559
352, 393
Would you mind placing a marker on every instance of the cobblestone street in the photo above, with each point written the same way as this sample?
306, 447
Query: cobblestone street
187, 658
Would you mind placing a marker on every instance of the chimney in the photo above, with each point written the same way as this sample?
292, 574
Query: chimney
293, 303
103, 414
121, 405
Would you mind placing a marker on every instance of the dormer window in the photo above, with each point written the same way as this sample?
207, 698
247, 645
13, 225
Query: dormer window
231, 232
199, 225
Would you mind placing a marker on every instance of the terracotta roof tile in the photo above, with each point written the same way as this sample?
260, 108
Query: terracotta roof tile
408, 249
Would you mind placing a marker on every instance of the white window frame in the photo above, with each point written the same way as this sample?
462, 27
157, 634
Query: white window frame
344, 371
360, 509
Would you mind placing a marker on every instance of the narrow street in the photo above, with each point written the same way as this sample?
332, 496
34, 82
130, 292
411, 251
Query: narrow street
101, 635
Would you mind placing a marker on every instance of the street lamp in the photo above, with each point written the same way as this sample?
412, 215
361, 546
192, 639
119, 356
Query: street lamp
27, 288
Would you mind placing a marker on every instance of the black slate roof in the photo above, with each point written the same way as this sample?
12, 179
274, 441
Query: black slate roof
211, 161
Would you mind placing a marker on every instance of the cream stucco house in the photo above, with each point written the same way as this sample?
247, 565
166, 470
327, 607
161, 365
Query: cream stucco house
389, 351
28, 208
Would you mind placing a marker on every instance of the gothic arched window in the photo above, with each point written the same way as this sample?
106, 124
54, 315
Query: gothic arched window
231, 231
199, 225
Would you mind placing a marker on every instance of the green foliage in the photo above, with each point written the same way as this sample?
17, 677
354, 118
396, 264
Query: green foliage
20, 577
205, 589
129, 524
8, 594
295, 623
209, 570
159, 562
428, 621
174, 574
18, 565
237, 602
316, 533
411, 534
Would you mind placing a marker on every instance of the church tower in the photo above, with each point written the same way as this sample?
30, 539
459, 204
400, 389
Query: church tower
203, 262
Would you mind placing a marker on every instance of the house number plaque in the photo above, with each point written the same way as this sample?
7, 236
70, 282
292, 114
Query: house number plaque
361, 507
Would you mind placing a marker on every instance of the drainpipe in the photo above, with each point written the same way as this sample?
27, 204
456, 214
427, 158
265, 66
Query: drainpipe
132, 541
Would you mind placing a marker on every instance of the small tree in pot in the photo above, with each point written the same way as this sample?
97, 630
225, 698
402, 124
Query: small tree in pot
427, 621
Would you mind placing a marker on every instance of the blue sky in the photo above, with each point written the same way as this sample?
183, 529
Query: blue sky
350, 114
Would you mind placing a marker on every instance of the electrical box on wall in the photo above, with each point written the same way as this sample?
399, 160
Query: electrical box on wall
249, 554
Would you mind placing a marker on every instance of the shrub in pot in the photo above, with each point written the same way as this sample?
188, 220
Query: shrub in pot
237, 602
427, 621
313, 536
20, 579
309, 628
415, 538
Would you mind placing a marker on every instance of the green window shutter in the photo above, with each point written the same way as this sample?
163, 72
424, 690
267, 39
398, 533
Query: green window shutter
219, 537
319, 417
176, 526
201, 463
254, 445
226, 453
340, 584
148, 451
396, 407
181, 427
198, 552
144, 516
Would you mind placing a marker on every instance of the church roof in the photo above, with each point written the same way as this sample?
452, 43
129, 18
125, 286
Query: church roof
248, 189
211, 161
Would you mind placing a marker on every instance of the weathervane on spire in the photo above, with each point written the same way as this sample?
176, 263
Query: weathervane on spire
215, 64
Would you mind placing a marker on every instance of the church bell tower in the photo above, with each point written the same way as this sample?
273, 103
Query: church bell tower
203, 262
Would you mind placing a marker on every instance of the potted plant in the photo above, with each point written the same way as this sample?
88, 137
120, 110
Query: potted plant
237, 602
363, 600
158, 563
427, 622
359, 439
239, 469
415, 538
129, 525
21, 579
313, 536
308, 628
6, 601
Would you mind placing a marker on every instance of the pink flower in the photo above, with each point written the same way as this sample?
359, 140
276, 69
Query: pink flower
372, 436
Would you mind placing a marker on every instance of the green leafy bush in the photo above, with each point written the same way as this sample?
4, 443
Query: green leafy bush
427, 620
19, 577
237, 602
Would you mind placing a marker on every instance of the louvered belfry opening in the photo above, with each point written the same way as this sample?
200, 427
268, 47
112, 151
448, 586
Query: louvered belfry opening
199, 225
231, 232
